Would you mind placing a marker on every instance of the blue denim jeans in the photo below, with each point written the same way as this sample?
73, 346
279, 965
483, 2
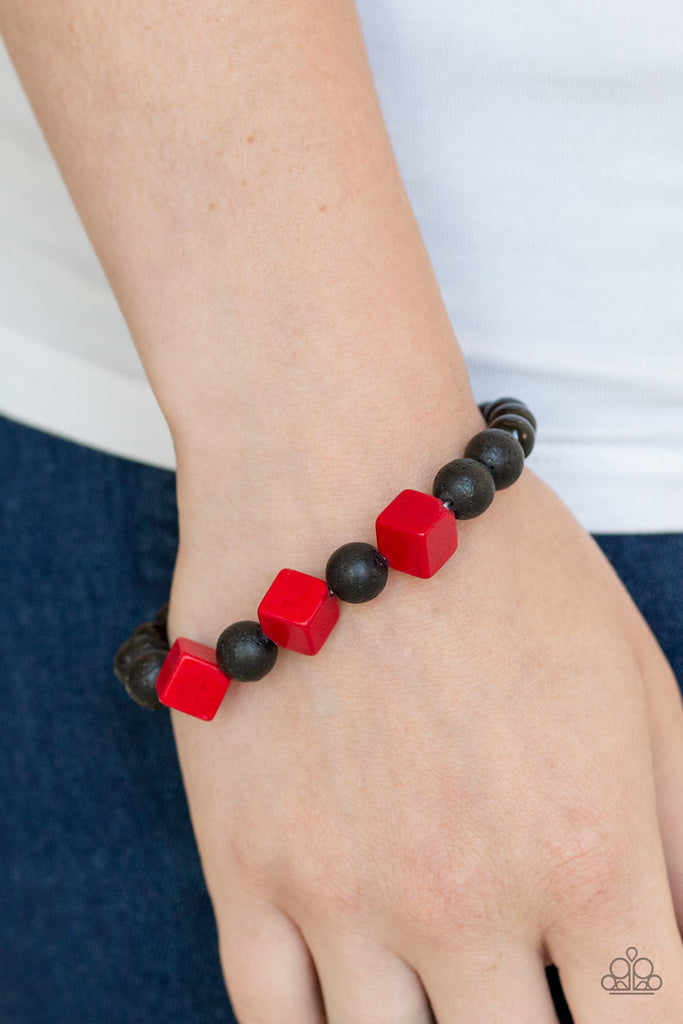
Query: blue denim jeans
104, 915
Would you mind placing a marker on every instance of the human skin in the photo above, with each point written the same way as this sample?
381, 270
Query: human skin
478, 774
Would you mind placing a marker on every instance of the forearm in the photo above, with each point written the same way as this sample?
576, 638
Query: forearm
232, 168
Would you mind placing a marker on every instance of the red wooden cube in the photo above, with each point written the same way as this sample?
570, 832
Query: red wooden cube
416, 533
191, 681
298, 611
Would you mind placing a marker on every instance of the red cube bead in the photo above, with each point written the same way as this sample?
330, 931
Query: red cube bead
191, 681
416, 533
298, 611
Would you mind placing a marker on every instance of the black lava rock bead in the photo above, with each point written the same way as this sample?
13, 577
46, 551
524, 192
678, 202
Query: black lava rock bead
490, 406
517, 425
146, 639
155, 632
356, 572
505, 405
244, 652
466, 486
500, 452
140, 680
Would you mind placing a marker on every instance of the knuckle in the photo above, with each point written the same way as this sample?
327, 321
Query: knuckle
335, 890
451, 893
590, 875
344, 898
325, 880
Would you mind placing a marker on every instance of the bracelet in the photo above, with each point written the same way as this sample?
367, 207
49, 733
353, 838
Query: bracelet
416, 534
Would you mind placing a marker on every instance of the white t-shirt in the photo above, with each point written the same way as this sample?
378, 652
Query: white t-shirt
541, 144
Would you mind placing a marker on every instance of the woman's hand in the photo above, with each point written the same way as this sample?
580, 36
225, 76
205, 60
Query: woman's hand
467, 779
479, 774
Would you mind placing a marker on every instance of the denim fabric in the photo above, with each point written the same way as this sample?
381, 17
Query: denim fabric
104, 916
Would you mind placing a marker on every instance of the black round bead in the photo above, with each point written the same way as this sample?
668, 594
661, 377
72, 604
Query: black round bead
492, 406
500, 452
466, 486
356, 572
145, 640
505, 405
518, 426
244, 652
140, 680
155, 632
483, 408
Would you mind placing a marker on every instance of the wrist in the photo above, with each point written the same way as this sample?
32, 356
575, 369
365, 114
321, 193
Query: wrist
306, 462
292, 498
416, 534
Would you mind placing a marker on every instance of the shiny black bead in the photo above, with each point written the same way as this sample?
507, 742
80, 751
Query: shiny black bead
146, 639
140, 680
483, 408
356, 572
500, 452
465, 486
244, 652
518, 426
505, 405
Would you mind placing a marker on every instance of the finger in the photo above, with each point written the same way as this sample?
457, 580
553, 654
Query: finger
497, 984
268, 970
665, 709
669, 780
361, 981
617, 945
